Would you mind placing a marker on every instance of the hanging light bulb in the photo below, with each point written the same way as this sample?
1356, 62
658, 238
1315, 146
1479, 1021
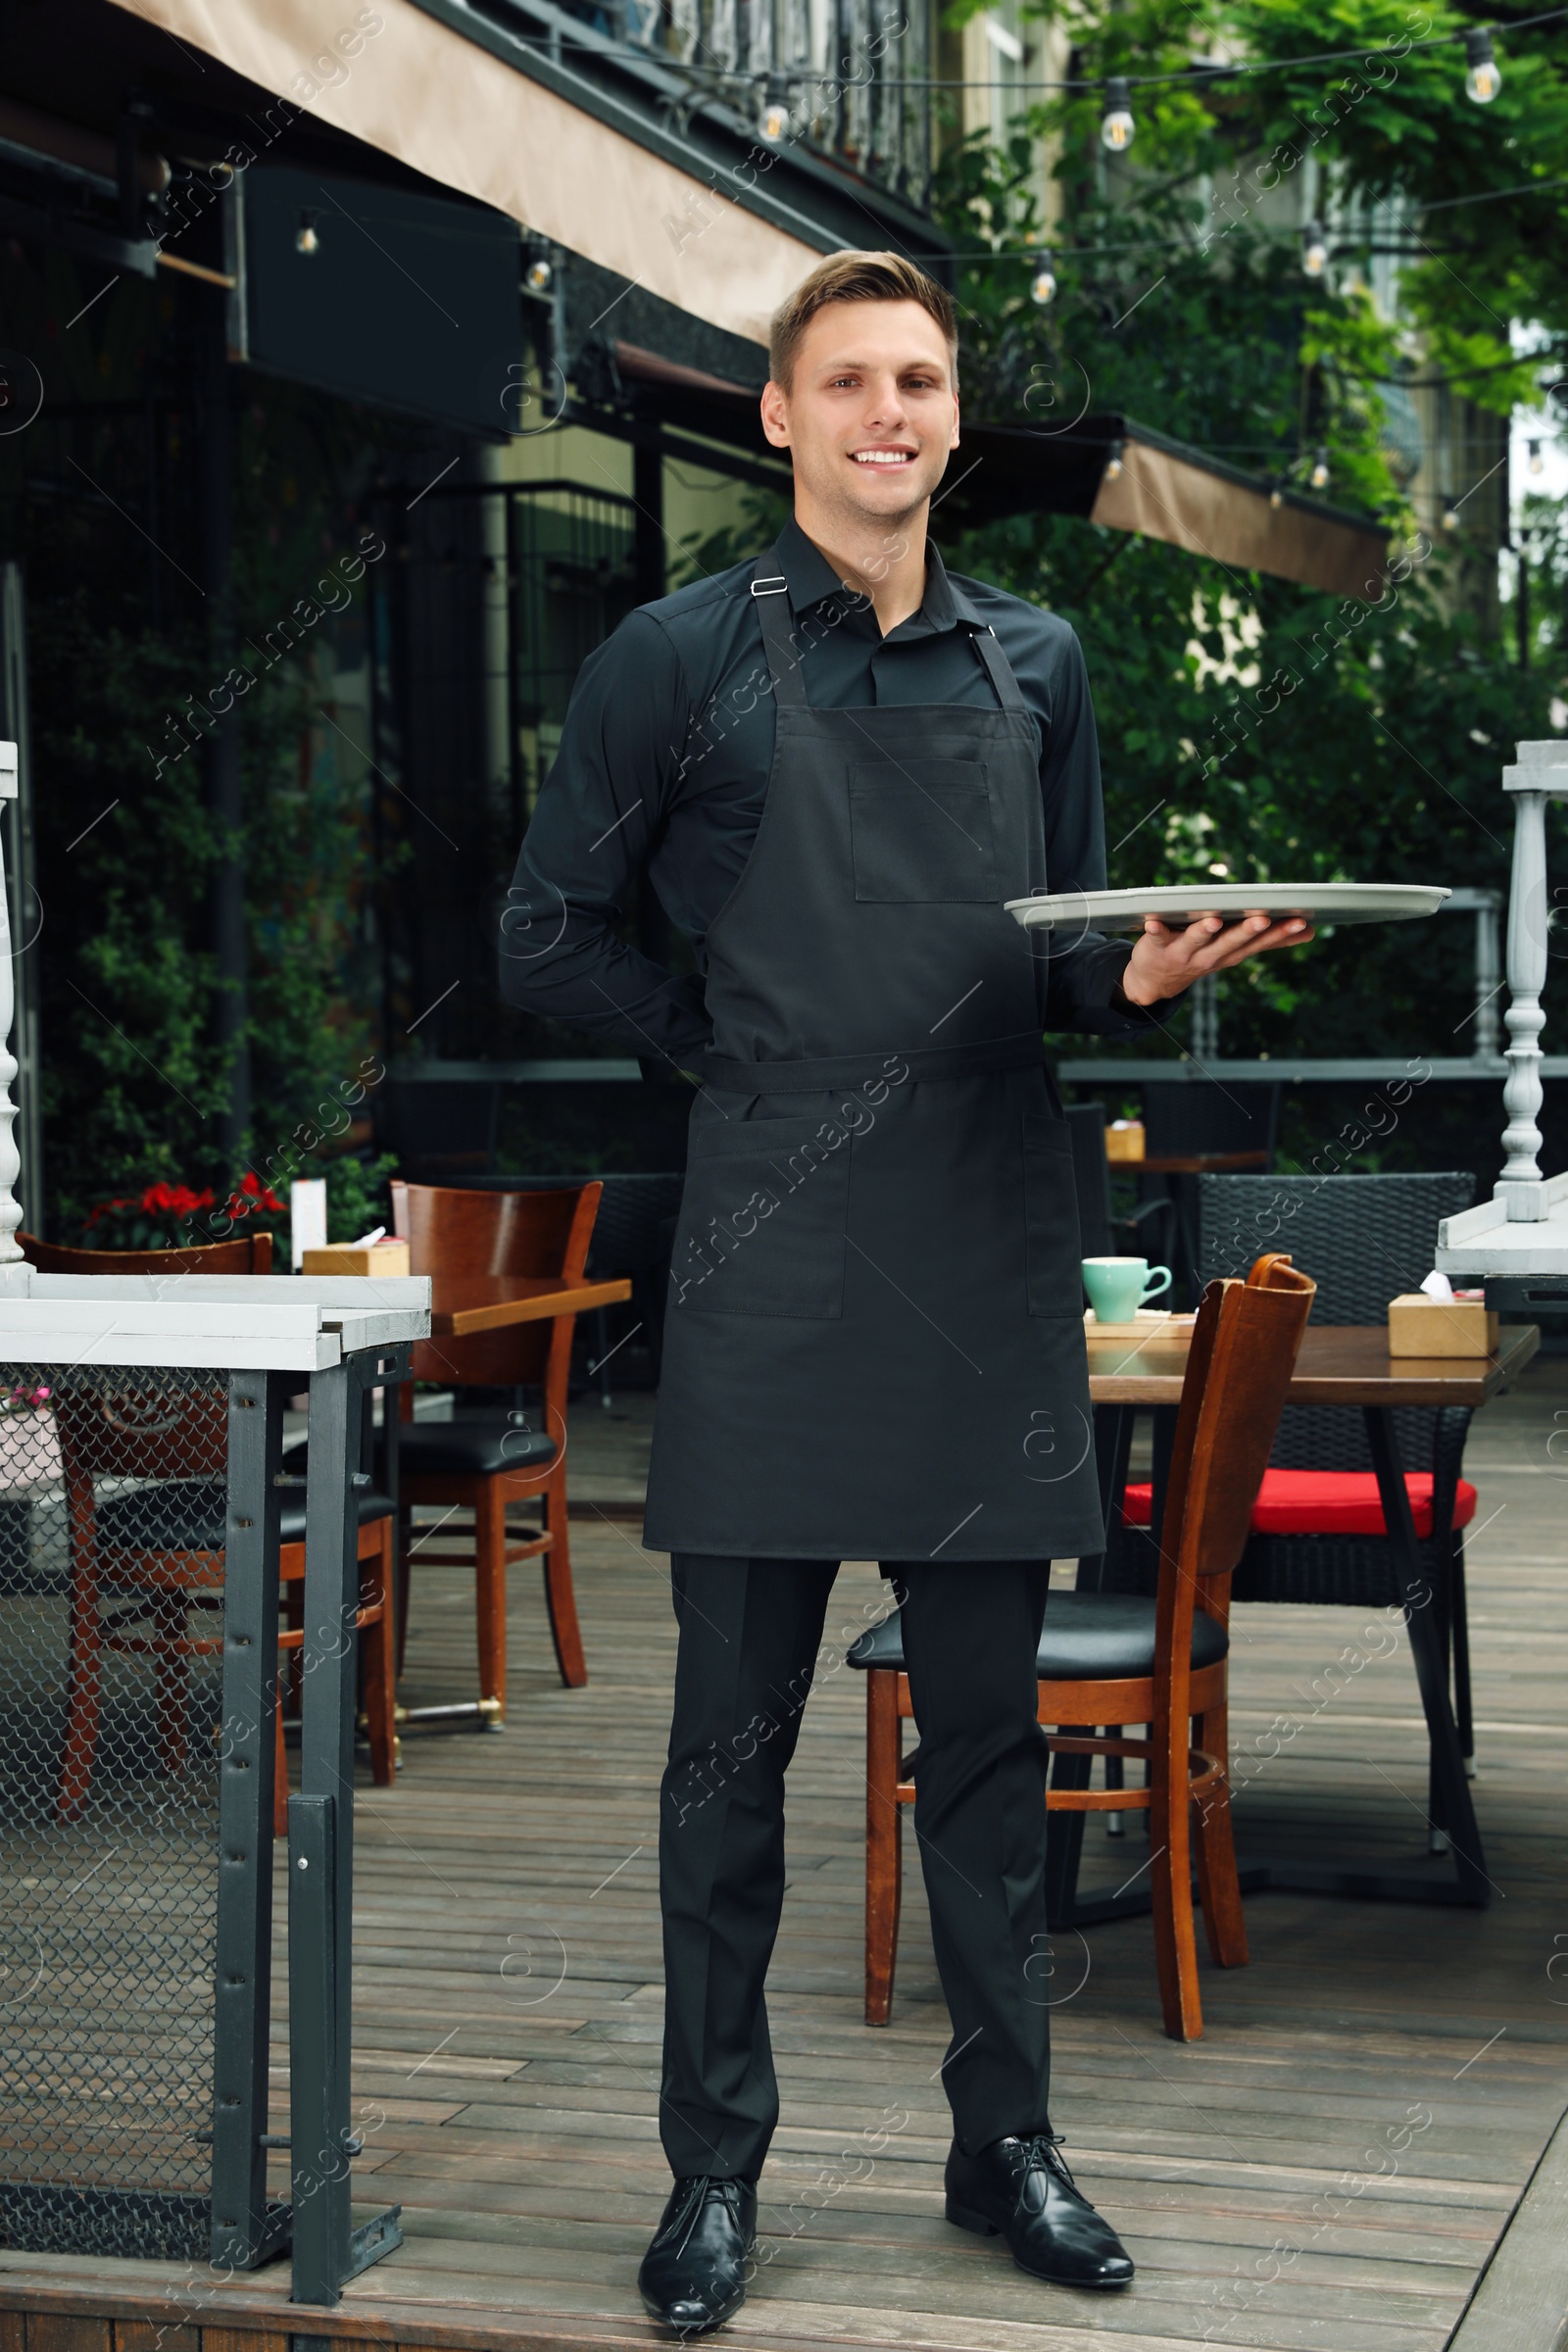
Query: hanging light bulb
1113, 462
773, 117
1117, 128
306, 239
1320, 469
1482, 80
1041, 279
1537, 463
1450, 518
539, 274
1276, 497
1314, 248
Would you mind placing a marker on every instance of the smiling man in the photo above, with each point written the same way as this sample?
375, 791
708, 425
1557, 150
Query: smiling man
836, 764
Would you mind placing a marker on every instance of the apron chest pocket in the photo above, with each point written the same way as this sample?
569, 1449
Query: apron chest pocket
1054, 1255
763, 1220
920, 832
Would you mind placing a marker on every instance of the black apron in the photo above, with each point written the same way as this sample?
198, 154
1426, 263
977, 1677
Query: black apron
875, 1343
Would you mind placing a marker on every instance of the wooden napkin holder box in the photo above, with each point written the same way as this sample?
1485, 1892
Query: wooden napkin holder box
1124, 1141
1436, 1327
357, 1257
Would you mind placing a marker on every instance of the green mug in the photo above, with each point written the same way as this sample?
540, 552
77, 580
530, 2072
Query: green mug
1118, 1287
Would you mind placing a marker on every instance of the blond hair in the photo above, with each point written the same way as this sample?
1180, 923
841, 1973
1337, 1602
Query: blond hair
856, 277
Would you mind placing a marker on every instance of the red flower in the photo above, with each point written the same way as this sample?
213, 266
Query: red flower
252, 1194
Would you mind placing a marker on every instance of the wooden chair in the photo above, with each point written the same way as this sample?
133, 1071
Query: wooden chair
484, 1462
1116, 1659
148, 1555
251, 1253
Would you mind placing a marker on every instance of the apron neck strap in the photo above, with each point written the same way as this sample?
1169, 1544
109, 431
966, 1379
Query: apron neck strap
786, 647
988, 650
784, 650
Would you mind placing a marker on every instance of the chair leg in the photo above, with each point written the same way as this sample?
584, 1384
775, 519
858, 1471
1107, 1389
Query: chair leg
1218, 1884
559, 1594
490, 1591
405, 1552
294, 1619
86, 1686
281, 1776
172, 1680
376, 1642
884, 1842
1170, 1872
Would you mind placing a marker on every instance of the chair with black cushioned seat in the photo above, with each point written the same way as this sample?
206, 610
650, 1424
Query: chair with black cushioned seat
484, 1462
1118, 1659
148, 1555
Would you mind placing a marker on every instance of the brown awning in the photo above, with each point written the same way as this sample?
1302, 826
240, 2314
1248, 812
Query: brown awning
448, 107
1109, 469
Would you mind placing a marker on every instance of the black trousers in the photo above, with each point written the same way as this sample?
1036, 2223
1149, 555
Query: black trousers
752, 1638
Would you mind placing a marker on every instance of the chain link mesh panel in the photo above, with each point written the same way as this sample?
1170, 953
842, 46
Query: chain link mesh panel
113, 1511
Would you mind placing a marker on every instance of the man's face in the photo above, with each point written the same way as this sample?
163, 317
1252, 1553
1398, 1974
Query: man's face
871, 413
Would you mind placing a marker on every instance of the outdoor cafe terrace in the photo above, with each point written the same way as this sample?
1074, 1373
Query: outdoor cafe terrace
1372, 2105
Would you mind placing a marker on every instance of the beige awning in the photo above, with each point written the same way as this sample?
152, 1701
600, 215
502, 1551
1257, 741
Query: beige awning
448, 108
1168, 494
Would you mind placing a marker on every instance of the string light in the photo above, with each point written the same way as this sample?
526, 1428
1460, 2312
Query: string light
1482, 80
306, 239
1113, 463
1450, 518
538, 276
1117, 128
1320, 470
1041, 279
773, 122
1537, 463
1276, 497
1314, 248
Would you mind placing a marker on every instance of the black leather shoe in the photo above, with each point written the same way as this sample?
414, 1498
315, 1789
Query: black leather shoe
694, 2273
1023, 2189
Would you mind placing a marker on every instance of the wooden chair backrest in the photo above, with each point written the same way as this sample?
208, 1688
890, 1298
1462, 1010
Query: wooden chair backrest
1244, 1350
452, 1231
252, 1254
126, 1425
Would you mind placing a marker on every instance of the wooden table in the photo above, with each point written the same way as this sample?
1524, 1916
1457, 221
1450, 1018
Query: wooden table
461, 1305
1191, 1163
1338, 1366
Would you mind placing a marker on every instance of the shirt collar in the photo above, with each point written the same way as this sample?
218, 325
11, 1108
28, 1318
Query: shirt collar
810, 579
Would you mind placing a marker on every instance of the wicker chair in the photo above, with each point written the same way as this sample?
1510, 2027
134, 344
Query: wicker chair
1317, 1524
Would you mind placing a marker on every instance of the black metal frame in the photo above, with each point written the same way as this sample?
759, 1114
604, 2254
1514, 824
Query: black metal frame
328, 2248
1427, 1610
246, 2230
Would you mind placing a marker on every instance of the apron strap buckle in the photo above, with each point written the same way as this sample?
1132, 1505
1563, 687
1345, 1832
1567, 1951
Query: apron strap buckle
775, 585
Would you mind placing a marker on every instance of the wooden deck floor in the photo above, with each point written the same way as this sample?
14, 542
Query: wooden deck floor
1330, 2167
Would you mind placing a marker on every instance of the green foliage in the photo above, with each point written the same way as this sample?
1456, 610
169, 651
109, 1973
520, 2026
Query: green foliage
1252, 728
1391, 119
123, 675
358, 1197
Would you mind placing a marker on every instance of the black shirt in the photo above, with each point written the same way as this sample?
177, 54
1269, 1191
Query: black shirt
664, 760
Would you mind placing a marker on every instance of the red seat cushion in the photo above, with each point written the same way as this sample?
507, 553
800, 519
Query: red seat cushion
1325, 1502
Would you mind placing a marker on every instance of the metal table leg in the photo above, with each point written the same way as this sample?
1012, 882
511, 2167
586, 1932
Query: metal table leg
1425, 1612
327, 2248
246, 2228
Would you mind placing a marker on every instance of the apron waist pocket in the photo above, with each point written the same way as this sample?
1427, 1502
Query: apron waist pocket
763, 1220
